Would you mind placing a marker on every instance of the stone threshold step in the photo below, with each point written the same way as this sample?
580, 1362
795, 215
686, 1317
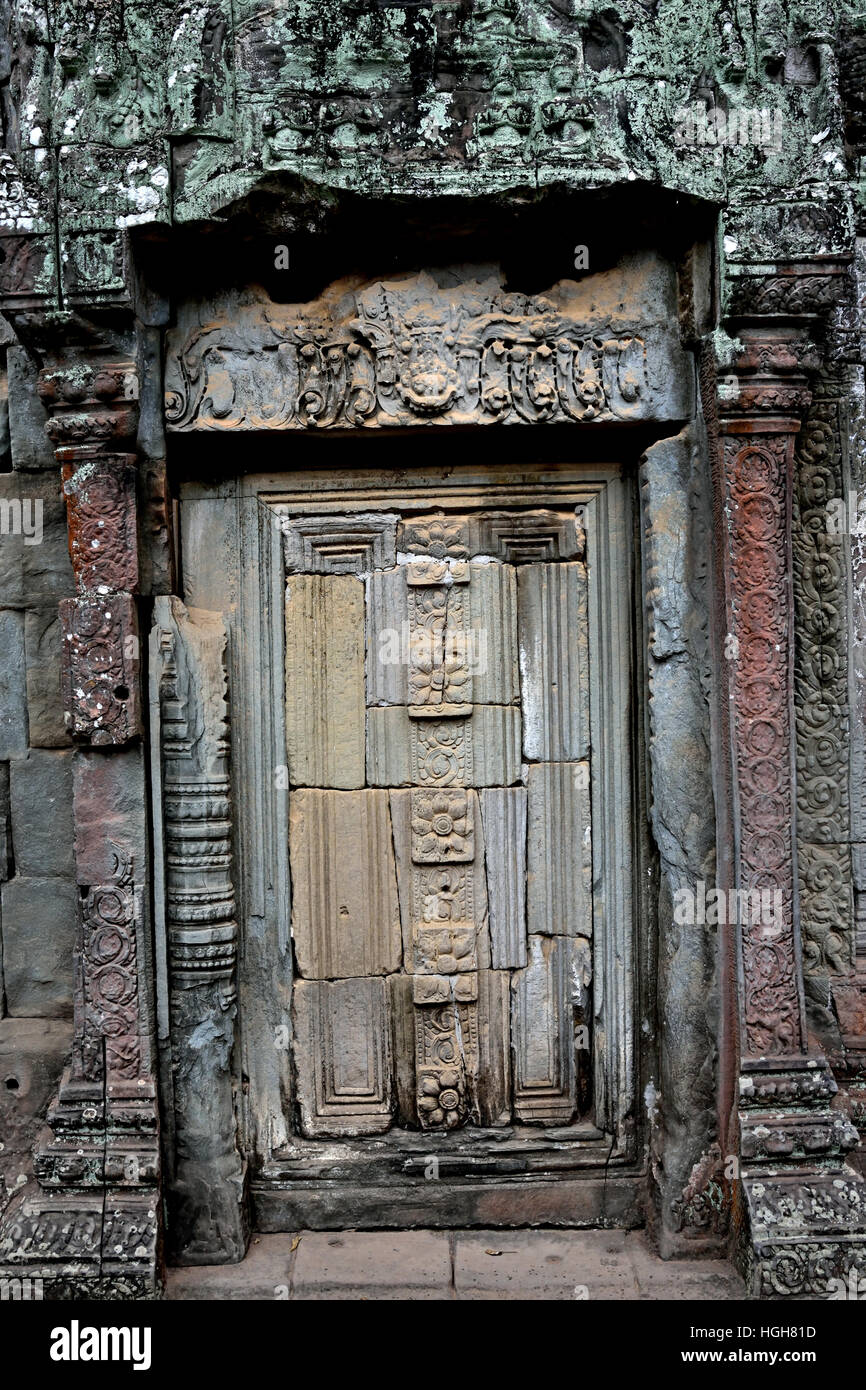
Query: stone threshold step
423, 1265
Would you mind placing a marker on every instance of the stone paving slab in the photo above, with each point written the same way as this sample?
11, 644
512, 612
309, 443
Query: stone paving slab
543, 1265
265, 1273
581, 1265
373, 1264
464, 1265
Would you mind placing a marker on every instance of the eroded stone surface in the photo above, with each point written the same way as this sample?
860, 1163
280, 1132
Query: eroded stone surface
41, 801
493, 625
39, 919
31, 448
5, 825
343, 1056
543, 1033
345, 912
325, 680
503, 811
206, 1182
32, 1055
559, 850
43, 646
13, 686
554, 657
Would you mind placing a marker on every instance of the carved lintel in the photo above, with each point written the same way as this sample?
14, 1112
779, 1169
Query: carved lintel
207, 1198
410, 352
100, 669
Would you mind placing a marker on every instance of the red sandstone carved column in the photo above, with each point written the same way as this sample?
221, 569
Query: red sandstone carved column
759, 421
98, 1167
805, 1209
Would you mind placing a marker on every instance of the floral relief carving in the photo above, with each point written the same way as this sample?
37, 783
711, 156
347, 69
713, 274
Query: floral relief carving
110, 982
821, 699
441, 752
440, 683
442, 827
756, 472
441, 1097
444, 1041
101, 515
440, 537
100, 665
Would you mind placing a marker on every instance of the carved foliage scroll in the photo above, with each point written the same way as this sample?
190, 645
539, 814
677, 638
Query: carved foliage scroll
821, 689
756, 470
101, 516
110, 983
100, 666
408, 352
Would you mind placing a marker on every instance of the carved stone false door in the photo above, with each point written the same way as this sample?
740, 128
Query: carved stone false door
440, 835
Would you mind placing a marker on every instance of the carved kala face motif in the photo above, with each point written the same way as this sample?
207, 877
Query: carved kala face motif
427, 374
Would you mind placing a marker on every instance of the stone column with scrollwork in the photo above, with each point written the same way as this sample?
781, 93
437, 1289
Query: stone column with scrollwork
802, 1208
92, 1226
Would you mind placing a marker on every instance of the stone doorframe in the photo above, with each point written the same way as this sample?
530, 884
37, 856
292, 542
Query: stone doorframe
94, 1223
233, 547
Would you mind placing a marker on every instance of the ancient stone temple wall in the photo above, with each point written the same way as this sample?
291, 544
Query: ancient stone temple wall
536, 318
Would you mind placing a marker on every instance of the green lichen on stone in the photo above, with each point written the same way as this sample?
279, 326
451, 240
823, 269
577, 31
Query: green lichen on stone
152, 112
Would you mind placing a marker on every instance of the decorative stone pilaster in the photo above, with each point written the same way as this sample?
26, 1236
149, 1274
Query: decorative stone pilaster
93, 1226
805, 1208
206, 1178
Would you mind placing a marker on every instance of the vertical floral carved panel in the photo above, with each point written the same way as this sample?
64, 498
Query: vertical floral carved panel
821, 696
110, 1016
757, 472
100, 668
101, 516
